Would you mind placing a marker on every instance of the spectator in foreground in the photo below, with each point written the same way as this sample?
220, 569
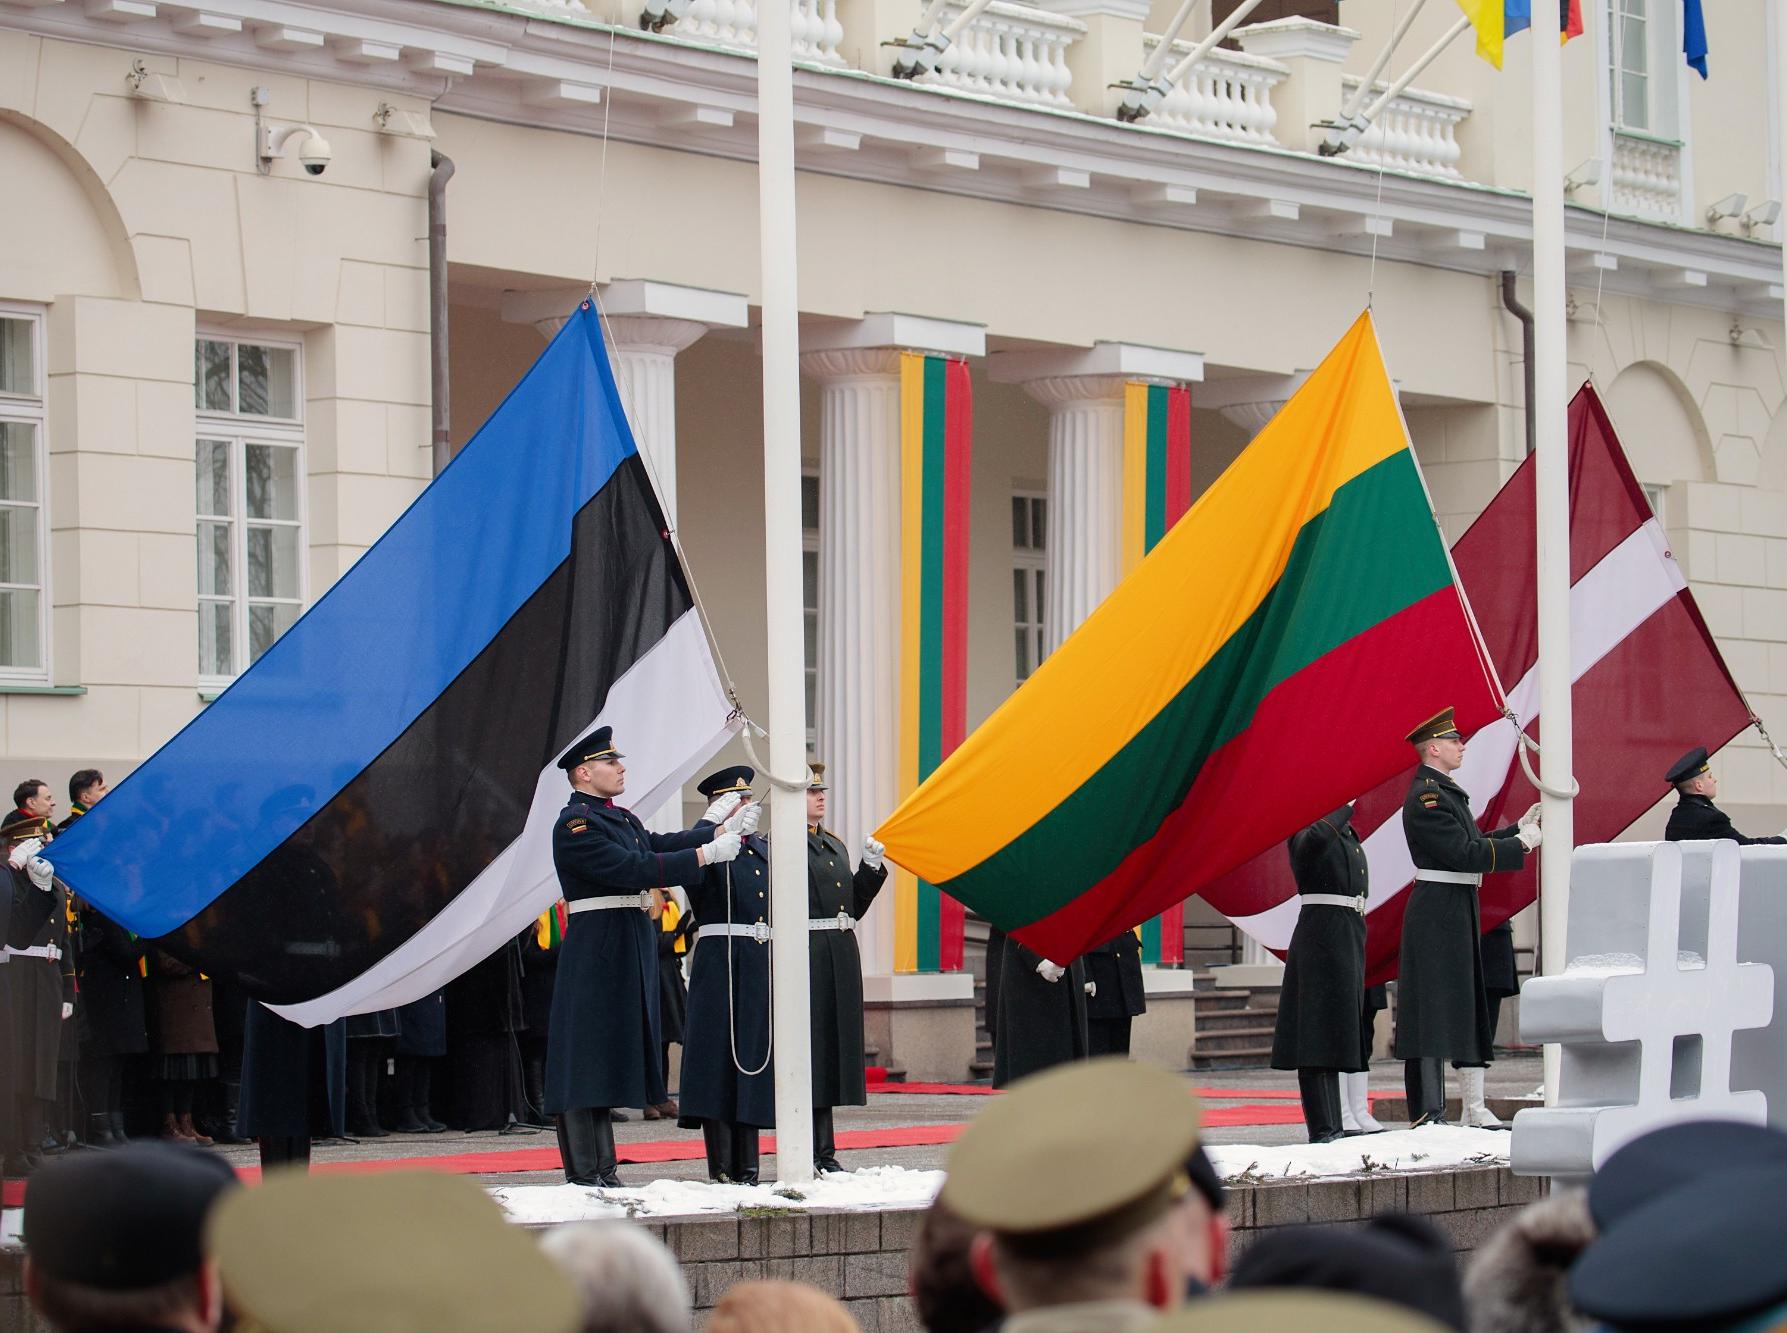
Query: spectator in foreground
1402, 1260
114, 1240
389, 1253
1517, 1282
779, 1307
1279, 1311
628, 1282
940, 1278
1098, 1206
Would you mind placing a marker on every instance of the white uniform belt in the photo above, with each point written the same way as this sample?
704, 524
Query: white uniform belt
842, 921
48, 951
1448, 877
760, 931
1352, 901
638, 901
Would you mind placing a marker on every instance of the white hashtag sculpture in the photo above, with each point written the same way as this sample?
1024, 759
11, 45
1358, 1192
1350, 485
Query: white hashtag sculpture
1661, 1015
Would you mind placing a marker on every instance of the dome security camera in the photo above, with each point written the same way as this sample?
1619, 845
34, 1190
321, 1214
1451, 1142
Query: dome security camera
316, 154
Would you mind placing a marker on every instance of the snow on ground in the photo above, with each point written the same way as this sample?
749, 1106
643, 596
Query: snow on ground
883, 1187
11, 1220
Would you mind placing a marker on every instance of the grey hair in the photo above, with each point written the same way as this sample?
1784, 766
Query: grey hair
626, 1279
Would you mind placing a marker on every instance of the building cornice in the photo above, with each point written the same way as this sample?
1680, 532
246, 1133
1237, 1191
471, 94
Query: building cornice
546, 68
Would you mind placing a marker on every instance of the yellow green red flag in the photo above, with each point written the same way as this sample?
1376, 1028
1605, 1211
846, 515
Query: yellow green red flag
1258, 669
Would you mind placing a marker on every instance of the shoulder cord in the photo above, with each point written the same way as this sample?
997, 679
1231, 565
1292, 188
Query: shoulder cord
732, 997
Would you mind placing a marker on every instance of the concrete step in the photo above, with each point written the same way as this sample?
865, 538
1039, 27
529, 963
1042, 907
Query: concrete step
1234, 1039
1230, 1020
1258, 1057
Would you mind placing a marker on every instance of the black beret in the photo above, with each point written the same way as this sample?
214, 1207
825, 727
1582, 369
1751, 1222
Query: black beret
1702, 1255
1394, 1258
599, 744
1690, 765
737, 778
1674, 1155
126, 1219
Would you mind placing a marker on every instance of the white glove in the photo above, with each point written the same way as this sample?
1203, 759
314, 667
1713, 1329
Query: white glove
724, 847
872, 853
723, 806
1530, 836
67, 1011
1050, 971
42, 873
746, 820
1531, 817
24, 852
1091, 989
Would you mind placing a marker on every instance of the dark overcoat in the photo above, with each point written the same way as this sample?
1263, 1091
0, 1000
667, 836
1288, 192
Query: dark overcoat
1321, 1002
114, 1020
1442, 1010
673, 988
179, 1008
24, 908
1041, 1023
38, 988
603, 1047
835, 968
294, 1079
1115, 969
1696, 818
539, 977
1500, 976
729, 999
422, 1027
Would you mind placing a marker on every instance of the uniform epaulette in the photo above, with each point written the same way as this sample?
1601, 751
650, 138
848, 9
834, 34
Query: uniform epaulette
576, 824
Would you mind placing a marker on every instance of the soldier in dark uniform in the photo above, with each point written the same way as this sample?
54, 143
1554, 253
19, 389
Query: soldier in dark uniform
1321, 1030
1042, 1014
1114, 994
41, 991
1442, 1010
602, 1049
728, 1080
836, 900
1695, 817
28, 901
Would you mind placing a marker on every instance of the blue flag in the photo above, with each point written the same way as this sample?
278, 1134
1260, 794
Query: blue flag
1694, 35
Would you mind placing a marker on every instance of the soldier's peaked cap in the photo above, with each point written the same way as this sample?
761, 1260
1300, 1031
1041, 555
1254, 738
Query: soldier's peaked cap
736, 778
599, 744
1674, 1155
816, 776
1079, 1155
1690, 765
1440, 724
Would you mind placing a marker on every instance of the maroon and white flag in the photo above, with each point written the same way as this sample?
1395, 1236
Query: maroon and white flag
1650, 685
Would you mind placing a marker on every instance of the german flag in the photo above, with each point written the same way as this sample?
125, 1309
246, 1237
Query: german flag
1259, 668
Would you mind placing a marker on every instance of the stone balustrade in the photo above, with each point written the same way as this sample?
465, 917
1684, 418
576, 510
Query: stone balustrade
1014, 52
816, 31
1646, 176
1416, 132
1226, 95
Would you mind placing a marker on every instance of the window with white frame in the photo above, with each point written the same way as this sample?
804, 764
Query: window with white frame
250, 479
1629, 37
1029, 551
809, 595
23, 521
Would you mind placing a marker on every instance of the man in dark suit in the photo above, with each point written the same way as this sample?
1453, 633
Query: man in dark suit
1695, 817
1114, 993
602, 1048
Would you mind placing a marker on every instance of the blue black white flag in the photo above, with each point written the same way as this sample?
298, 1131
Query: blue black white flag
366, 812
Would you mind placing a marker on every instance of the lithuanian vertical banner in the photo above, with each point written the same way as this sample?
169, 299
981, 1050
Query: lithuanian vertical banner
936, 443
1257, 669
1156, 492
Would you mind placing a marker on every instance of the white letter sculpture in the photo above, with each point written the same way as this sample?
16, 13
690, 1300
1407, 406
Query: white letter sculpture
1666, 1011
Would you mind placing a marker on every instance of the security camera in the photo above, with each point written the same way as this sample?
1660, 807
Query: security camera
316, 154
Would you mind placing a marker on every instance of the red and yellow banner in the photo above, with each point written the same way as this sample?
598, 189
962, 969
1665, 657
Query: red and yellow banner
936, 443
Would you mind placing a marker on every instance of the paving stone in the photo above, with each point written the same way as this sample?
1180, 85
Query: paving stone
1523, 1189
1385, 1194
1280, 1205
897, 1315
698, 1242
1477, 1189
1431, 1192
862, 1233
899, 1230
874, 1275
1334, 1200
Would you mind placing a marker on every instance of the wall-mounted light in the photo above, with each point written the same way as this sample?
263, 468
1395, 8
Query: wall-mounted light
1747, 337
1731, 206
660, 14
1586, 174
407, 124
1764, 214
143, 82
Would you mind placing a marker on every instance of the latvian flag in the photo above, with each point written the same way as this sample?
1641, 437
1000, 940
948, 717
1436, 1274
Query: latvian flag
1649, 686
367, 811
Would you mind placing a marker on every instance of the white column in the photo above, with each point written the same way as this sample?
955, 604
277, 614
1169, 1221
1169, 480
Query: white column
859, 603
1085, 516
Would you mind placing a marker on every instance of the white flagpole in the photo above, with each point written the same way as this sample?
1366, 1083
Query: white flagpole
1552, 486
782, 589
1778, 13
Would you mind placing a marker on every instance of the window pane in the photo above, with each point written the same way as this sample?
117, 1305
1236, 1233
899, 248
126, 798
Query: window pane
812, 634
213, 472
272, 481
266, 622
1020, 602
217, 654
214, 560
812, 699
1634, 109
18, 545
18, 461
1039, 525
19, 646
809, 579
1023, 652
1020, 523
211, 376
809, 503
268, 381
18, 357
272, 561
1040, 599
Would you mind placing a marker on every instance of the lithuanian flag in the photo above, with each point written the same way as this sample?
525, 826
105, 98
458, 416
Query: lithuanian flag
1258, 669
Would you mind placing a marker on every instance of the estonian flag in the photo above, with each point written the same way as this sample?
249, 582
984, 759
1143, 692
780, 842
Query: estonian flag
367, 811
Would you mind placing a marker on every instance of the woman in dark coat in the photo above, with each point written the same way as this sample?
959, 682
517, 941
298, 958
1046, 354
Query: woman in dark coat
421, 1040
114, 1019
540, 944
1114, 973
728, 1080
837, 899
1042, 1014
484, 1021
1321, 1030
182, 1042
294, 1084
371, 1040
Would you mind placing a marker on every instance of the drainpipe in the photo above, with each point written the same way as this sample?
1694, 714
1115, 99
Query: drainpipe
437, 306
1528, 351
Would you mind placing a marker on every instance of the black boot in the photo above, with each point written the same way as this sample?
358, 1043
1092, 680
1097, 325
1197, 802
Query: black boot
403, 1095
606, 1156
586, 1144
1424, 1084
1320, 1094
425, 1097
744, 1154
31, 1132
99, 1131
362, 1117
825, 1143
225, 1131
533, 1086
118, 1130
285, 1150
716, 1135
